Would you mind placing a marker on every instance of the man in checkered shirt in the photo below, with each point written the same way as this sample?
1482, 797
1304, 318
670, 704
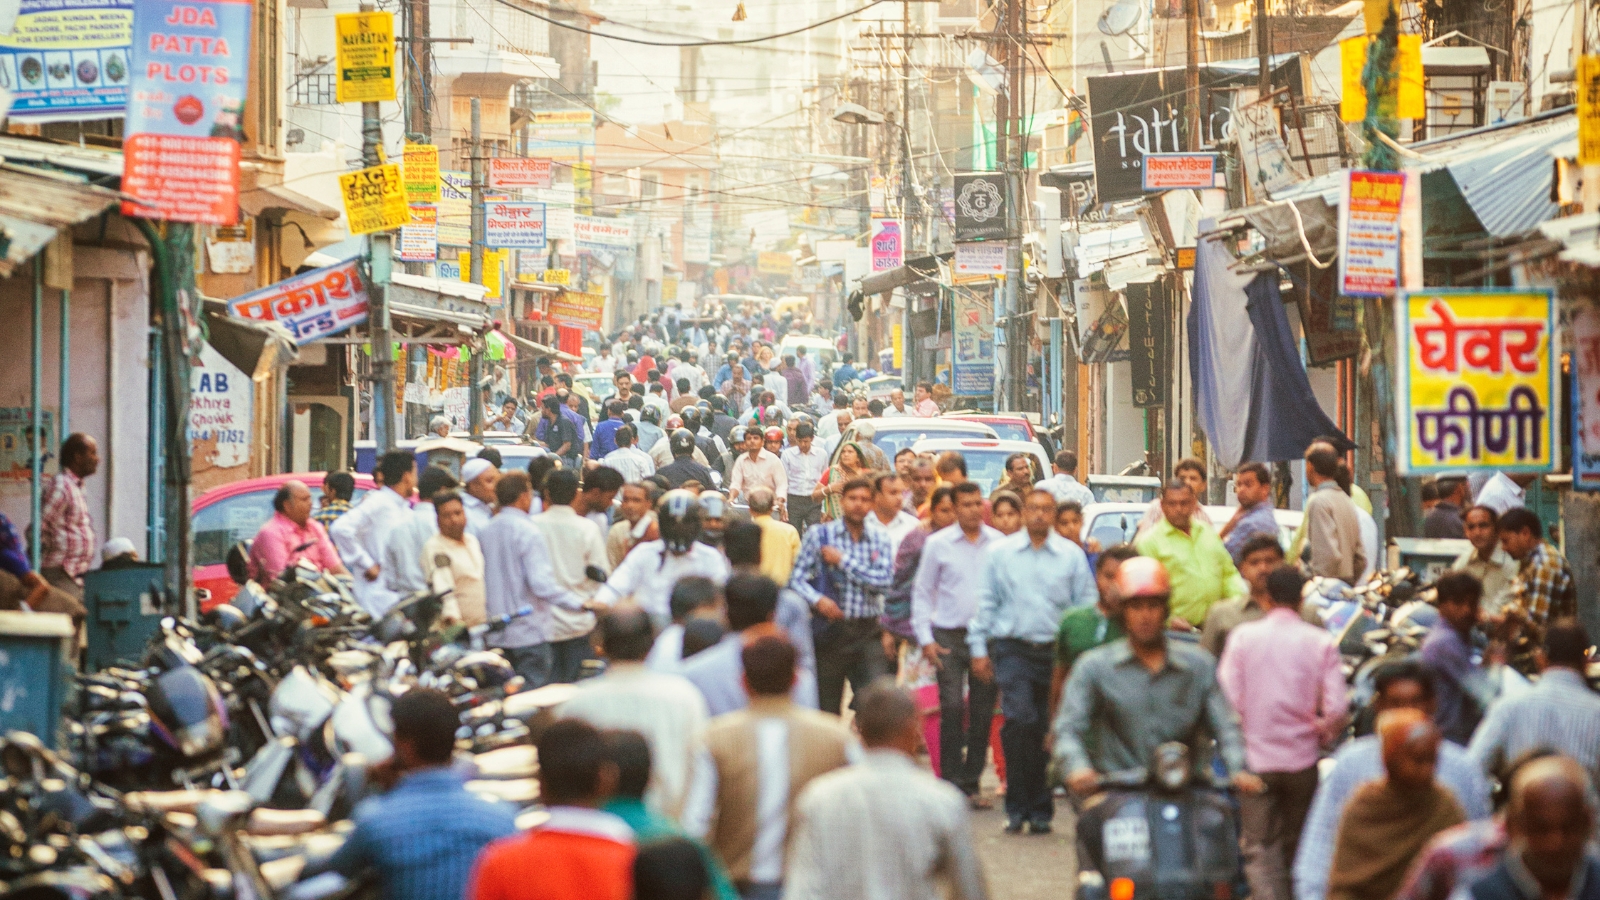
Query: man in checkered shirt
843, 568
66, 532
1543, 588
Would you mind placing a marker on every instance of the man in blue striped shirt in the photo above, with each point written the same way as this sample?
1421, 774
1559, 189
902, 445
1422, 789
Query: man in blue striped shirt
843, 568
422, 837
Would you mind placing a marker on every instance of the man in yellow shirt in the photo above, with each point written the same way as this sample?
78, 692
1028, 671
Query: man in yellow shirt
1197, 563
780, 542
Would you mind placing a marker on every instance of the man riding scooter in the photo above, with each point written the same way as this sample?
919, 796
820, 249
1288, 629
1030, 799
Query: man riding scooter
1134, 731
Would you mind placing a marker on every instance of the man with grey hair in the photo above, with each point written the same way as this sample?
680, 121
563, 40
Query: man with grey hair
845, 818
1547, 823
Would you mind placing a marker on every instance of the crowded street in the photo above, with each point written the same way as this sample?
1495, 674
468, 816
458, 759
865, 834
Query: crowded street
599, 450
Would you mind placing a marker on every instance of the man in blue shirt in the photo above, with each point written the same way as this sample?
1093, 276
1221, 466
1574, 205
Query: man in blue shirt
1252, 484
422, 837
605, 434
845, 372
1030, 580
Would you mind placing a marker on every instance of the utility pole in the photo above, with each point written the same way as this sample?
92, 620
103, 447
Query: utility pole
1011, 145
1191, 100
1263, 51
475, 367
382, 341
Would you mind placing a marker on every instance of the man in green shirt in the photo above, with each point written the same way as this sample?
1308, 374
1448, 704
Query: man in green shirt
1084, 628
1199, 565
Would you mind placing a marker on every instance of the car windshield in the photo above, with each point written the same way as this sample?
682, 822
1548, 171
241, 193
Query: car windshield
893, 441
986, 467
227, 522
602, 387
1113, 528
1010, 431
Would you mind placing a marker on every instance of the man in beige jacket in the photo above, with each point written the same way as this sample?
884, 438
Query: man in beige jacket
1333, 531
753, 765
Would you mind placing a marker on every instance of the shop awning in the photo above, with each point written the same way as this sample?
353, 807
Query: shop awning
277, 197
1502, 175
34, 205
921, 269
537, 287
248, 344
523, 344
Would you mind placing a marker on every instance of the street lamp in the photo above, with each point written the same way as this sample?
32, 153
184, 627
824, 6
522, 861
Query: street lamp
856, 114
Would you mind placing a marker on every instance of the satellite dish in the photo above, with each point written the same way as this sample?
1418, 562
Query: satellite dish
985, 72
1120, 18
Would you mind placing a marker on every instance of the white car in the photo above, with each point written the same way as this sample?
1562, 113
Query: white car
986, 458
890, 436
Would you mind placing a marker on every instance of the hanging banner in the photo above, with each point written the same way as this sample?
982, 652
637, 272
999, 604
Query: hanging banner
972, 347
512, 173
493, 271
419, 238
597, 232
1478, 388
577, 308
1585, 465
314, 305
1147, 343
1369, 233
1179, 171
556, 276
566, 135
187, 87
68, 61
1263, 155
1410, 99
455, 209
374, 199
220, 401
419, 172
364, 44
518, 225
1588, 90
1328, 319
981, 259
980, 206
1586, 368
888, 247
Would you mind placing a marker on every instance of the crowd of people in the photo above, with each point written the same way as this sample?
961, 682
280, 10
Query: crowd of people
796, 658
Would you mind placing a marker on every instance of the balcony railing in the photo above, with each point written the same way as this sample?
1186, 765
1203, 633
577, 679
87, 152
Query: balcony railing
493, 25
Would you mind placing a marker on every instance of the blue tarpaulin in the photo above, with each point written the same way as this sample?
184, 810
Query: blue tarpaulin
1243, 356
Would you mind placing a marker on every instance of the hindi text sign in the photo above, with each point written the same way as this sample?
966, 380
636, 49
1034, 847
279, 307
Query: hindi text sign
513, 172
577, 308
519, 225
419, 171
888, 249
419, 238
983, 259
374, 199
319, 303
364, 44
1478, 387
1369, 233
1179, 171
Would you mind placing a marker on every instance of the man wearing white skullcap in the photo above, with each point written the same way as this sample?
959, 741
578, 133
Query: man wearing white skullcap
478, 477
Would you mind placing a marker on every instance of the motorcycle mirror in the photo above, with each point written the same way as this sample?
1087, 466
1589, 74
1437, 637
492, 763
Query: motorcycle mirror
238, 561
595, 573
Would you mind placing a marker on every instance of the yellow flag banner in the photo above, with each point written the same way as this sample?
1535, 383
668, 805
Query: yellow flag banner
1588, 110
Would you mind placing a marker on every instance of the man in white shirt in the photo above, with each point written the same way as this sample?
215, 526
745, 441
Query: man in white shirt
832, 423
462, 570
804, 464
663, 707
361, 534
403, 571
477, 481
649, 571
844, 820
1063, 485
576, 545
603, 361
634, 464
897, 405
888, 490
757, 468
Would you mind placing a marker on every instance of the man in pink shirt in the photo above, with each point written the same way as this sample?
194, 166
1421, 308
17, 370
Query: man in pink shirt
1283, 678
291, 535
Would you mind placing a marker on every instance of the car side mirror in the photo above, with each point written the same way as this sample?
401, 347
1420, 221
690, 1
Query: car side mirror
238, 561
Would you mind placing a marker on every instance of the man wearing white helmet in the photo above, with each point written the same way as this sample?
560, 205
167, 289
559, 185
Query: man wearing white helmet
649, 571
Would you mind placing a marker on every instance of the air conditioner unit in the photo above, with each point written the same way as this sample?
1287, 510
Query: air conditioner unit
1505, 101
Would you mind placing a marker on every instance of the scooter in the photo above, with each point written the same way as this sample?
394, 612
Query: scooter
1158, 834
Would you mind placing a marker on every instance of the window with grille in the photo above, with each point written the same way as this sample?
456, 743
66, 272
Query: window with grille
313, 90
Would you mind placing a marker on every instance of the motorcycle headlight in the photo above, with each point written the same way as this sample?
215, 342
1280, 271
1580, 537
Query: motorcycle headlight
1171, 767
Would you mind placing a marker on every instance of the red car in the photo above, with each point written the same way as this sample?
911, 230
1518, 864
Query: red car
1010, 426
225, 515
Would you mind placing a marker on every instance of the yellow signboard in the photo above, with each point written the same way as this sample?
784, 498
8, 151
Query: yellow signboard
563, 117
1478, 388
1410, 102
374, 199
493, 263
556, 276
365, 48
1588, 86
772, 263
421, 173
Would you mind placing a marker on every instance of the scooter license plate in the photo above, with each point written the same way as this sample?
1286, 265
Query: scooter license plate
1126, 840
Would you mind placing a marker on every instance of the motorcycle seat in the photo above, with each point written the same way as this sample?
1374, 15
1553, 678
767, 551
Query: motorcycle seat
507, 763
285, 821
518, 792
184, 801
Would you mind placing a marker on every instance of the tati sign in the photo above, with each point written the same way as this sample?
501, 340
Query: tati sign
1179, 171
519, 225
510, 173
319, 303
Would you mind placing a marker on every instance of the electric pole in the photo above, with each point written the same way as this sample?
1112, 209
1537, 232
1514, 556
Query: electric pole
1263, 51
475, 275
1191, 100
382, 342
1011, 144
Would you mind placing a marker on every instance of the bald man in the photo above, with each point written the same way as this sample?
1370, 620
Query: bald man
1387, 822
1548, 823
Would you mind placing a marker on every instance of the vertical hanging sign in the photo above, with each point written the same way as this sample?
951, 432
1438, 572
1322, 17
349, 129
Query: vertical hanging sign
186, 99
1369, 233
888, 247
1588, 110
365, 48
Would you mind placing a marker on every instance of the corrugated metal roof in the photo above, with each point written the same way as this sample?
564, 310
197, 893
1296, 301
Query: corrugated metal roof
1503, 173
34, 207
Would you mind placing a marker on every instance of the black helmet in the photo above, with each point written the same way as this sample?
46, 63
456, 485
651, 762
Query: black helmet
651, 414
681, 442
678, 517
691, 418
705, 408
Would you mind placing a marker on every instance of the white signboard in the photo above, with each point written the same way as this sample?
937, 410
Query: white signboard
512, 172
219, 411
519, 225
597, 231
980, 258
